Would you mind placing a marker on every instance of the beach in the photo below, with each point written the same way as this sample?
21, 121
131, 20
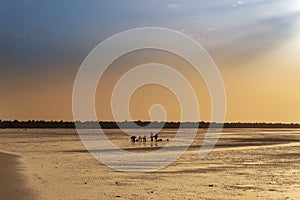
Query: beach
12, 182
245, 164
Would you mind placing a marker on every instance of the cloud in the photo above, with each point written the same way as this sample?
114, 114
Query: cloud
173, 6
237, 36
238, 3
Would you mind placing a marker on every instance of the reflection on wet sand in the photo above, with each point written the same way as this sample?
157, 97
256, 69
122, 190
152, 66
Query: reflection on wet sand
245, 164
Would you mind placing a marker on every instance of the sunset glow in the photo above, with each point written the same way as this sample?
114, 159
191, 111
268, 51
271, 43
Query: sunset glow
254, 43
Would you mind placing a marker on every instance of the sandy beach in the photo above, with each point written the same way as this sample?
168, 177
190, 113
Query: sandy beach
245, 164
12, 182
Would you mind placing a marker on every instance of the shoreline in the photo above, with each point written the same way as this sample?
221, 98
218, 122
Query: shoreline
12, 180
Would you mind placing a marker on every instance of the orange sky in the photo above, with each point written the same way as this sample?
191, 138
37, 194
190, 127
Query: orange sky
254, 44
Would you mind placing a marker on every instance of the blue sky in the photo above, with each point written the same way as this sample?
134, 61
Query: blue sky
54, 31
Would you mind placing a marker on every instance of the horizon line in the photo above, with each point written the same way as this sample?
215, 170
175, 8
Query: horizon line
142, 121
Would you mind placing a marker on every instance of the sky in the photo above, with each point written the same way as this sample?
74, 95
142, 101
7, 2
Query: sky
255, 44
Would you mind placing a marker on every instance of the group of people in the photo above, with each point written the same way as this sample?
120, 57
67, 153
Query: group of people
155, 136
138, 139
144, 138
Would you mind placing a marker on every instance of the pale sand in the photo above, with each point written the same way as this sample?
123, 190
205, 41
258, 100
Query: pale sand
246, 164
12, 183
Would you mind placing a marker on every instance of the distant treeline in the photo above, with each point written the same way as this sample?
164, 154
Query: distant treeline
133, 124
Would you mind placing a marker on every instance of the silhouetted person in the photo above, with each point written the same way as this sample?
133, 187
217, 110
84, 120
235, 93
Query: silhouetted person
139, 138
156, 136
151, 136
133, 138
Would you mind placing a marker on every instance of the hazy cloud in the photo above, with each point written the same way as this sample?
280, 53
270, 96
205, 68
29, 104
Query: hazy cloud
173, 6
239, 3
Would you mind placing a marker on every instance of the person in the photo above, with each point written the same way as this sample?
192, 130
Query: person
156, 136
151, 136
133, 138
144, 138
139, 138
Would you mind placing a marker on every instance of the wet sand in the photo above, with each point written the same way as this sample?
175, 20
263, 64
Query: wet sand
12, 183
245, 164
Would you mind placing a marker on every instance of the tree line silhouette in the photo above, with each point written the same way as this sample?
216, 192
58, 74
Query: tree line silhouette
133, 124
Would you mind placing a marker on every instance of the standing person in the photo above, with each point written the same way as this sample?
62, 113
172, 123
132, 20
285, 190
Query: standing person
156, 136
151, 136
